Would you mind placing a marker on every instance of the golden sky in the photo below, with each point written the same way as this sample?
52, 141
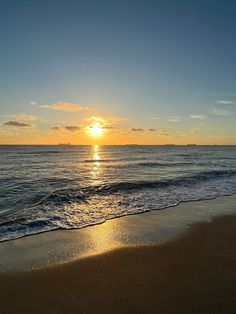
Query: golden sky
66, 122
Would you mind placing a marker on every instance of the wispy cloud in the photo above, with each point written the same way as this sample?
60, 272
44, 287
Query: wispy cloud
65, 106
174, 119
223, 102
18, 124
154, 118
109, 127
106, 120
137, 129
24, 117
33, 103
142, 130
55, 128
222, 112
107, 123
97, 119
197, 117
216, 94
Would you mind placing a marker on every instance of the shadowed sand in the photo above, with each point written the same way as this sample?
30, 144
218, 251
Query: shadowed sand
195, 273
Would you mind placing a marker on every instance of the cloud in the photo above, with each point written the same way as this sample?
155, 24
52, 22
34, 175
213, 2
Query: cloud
164, 134
109, 127
65, 106
33, 103
107, 123
154, 118
174, 119
106, 120
18, 124
224, 102
222, 112
216, 94
197, 117
24, 117
137, 129
97, 119
70, 128
55, 128
141, 130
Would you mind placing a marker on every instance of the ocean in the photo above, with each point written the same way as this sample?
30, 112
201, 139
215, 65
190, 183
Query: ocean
45, 188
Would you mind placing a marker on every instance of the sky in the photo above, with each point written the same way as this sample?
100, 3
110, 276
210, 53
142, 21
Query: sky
117, 72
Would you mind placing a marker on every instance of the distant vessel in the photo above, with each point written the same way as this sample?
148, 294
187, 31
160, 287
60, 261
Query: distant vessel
191, 144
64, 144
170, 145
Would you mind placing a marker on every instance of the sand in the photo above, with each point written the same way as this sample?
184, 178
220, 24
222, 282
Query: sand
195, 273
151, 228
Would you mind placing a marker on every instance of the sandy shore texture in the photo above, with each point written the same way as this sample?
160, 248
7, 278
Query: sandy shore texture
151, 228
196, 273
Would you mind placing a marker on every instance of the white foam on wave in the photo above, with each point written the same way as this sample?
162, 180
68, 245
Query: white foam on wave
99, 208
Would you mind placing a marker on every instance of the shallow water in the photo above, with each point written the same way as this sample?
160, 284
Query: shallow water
45, 188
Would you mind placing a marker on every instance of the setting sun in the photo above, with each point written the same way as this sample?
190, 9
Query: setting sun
95, 130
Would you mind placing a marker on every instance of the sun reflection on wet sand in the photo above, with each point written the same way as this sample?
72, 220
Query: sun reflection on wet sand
103, 241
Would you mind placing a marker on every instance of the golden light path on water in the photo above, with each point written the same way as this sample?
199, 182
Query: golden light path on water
96, 166
101, 241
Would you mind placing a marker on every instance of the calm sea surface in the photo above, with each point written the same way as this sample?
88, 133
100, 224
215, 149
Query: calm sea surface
45, 188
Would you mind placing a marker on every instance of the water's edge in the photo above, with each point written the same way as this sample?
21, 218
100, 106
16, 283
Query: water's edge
121, 216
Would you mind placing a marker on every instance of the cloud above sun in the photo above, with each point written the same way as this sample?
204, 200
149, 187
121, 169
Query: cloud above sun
106, 120
65, 106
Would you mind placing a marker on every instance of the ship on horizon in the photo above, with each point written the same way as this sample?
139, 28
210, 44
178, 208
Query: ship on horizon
64, 144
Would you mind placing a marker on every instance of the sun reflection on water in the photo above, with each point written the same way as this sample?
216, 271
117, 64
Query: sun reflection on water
96, 165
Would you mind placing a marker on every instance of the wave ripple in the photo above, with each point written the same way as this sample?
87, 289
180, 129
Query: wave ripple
43, 189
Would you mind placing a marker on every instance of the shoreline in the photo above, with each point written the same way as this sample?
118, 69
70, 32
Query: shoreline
150, 228
194, 273
122, 216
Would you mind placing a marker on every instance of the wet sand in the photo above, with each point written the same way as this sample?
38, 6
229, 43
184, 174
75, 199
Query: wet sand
151, 228
196, 273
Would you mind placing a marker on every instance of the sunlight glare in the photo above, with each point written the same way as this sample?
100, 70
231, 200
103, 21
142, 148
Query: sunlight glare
95, 130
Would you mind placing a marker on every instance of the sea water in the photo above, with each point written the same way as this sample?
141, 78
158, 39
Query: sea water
45, 188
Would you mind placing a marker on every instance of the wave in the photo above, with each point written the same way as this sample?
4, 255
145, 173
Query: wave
157, 164
76, 195
88, 205
113, 160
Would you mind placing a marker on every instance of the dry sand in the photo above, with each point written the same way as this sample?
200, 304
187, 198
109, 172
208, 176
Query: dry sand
195, 273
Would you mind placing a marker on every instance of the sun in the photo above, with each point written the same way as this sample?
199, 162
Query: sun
95, 130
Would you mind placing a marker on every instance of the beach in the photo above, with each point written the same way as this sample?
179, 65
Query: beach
117, 157
193, 272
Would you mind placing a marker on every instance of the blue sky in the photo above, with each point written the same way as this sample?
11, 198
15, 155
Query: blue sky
129, 60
